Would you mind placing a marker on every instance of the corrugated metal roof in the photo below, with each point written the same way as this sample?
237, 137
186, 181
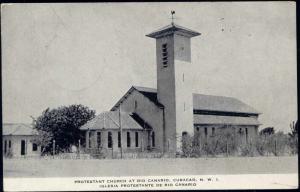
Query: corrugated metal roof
110, 120
220, 103
18, 129
202, 102
230, 120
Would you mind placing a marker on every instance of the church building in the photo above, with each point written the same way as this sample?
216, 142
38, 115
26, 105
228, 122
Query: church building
149, 119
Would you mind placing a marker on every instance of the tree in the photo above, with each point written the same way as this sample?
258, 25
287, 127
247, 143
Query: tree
293, 137
294, 129
267, 131
62, 125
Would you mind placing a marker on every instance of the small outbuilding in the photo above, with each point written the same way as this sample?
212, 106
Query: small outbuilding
18, 140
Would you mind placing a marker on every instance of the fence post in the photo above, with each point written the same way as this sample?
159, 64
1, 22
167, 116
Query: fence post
112, 149
275, 143
79, 148
227, 147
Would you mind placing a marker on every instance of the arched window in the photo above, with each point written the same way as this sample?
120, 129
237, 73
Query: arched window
153, 139
128, 139
213, 131
205, 132
109, 140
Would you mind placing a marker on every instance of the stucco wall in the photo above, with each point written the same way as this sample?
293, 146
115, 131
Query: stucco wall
16, 145
149, 112
115, 147
166, 89
234, 129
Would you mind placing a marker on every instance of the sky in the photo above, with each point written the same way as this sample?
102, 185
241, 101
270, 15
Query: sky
92, 53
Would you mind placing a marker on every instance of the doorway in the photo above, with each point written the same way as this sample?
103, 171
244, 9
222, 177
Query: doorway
22, 147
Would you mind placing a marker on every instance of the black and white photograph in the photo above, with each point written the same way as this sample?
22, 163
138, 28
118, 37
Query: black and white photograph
149, 96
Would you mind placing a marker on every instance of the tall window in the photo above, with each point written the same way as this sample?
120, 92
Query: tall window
98, 139
213, 131
109, 140
205, 132
136, 139
165, 55
34, 147
5, 146
128, 139
9, 144
119, 139
246, 130
153, 139
90, 139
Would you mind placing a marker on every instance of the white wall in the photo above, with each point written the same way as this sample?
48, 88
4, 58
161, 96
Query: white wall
16, 145
149, 112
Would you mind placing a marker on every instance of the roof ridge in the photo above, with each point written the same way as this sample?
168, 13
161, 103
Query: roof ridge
214, 95
114, 120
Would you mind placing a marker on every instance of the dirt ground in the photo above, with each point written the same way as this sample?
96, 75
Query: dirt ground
148, 167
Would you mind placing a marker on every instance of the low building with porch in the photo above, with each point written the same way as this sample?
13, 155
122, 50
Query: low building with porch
105, 134
18, 140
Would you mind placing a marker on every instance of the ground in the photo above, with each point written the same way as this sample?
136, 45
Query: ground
148, 167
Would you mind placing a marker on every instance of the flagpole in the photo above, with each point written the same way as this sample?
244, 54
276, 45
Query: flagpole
120, 123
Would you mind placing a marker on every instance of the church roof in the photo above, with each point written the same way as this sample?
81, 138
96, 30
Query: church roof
200, 101
17, 129
172, 28
110, 120
229, 120
221, 103
150, 93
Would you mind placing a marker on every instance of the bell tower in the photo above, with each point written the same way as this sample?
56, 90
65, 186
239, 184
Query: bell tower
174, 91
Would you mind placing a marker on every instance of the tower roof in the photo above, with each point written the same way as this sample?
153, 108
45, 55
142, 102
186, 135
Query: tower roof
171, 29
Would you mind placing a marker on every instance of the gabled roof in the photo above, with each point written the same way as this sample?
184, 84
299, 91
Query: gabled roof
173, 28
225, 120
150, 93
110, 120
18, 129
200, 101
